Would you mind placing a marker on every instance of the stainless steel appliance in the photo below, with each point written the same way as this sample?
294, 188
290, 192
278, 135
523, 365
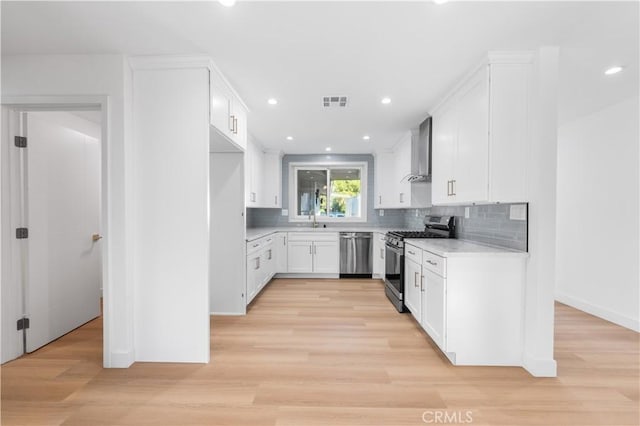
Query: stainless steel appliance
355, 255
435, 227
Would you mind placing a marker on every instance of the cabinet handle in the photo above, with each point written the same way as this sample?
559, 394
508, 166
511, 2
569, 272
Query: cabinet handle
269, 254
415, 279
453, 187
448, 188
235, 125
310, 249
231, 119
421, 282
257, 263
379, 199
402, 197
381, 253
410, 252
276, 200
432, 263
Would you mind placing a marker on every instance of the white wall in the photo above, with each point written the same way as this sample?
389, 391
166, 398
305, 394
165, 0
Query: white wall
95, 75
171, 157
598, 215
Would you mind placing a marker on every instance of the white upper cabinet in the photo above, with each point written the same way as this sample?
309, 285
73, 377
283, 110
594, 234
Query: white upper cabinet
392, 188
480, 135
384, 175
263, 176
228, 115
272, 180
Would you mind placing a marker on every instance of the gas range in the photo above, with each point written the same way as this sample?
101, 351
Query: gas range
435, 227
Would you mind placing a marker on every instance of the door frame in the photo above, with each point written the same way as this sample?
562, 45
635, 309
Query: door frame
69, 103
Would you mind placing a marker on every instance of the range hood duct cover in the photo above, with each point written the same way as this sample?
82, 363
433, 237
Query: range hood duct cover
421, 153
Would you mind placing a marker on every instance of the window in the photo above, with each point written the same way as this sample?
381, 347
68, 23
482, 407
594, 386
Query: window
333, 193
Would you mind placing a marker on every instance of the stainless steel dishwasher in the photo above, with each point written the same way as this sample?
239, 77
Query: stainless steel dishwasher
355, 255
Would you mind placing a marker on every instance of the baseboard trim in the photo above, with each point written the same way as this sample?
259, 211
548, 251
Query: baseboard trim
228, 313
123, 359
540, 367
307, 275
598, 311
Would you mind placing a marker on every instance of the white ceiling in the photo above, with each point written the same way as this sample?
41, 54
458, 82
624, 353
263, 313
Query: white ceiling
299, 52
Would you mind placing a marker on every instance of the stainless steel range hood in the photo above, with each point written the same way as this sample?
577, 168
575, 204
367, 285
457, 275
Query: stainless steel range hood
421, 153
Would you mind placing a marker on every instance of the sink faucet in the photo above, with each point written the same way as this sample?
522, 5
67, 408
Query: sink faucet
315, 221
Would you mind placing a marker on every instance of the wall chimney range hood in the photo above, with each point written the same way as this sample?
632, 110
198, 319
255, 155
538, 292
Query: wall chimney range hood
421, 153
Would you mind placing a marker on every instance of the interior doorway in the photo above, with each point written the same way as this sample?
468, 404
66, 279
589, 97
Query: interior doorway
51, 224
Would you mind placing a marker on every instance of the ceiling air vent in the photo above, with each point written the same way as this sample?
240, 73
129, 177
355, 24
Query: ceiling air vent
334, 101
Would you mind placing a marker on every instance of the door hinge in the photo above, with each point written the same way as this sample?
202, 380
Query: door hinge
20, 141
22, 233
23, 324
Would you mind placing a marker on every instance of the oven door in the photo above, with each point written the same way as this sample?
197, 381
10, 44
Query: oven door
394, 270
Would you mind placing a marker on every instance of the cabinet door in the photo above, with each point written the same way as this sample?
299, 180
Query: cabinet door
471, 179
253, 275
326, 259
403, 169
268, 265
412, 283
220, 109
281, 252
444, 148
378, 255
300, 256
238, 121
434, 302
384, 180
272, 180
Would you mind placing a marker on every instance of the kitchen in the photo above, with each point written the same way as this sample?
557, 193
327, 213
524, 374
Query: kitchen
282, 169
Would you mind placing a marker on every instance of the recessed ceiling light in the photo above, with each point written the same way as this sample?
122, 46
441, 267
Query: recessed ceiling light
272, 101
328, 149
613, 70
366, 137
289, 138
440, 1
227, 3
386, 101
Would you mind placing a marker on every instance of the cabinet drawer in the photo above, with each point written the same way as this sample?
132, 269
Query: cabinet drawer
413, 253
313, 236
254, 246
434, 263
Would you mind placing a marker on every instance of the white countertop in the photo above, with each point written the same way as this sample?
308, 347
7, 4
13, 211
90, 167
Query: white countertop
255, 233
451, 247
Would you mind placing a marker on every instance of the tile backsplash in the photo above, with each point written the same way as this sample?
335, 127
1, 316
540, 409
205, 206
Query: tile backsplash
488, 224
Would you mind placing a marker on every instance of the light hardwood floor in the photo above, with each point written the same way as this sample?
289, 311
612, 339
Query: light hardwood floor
326, 352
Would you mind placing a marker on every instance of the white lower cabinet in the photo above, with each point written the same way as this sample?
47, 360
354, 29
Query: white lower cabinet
470, 305
300, 256
413, 280
281, 246
261, 265
433, 303
313, 253
378, 255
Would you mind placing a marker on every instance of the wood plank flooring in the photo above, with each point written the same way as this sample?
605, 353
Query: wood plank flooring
327, 352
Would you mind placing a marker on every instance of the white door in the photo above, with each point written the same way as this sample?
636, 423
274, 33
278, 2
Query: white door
434, 302
300, 256
412, 282
472, 162
281, 252
326, 259
63, 213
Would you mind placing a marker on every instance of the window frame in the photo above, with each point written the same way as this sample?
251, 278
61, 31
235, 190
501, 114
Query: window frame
362, 166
